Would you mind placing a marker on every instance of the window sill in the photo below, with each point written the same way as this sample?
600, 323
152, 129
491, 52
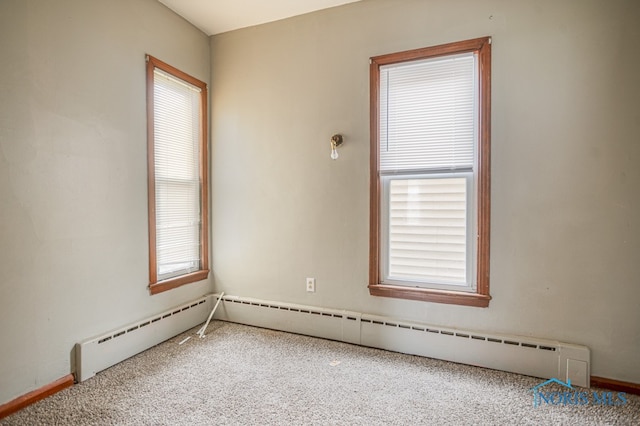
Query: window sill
160, 286
430, 295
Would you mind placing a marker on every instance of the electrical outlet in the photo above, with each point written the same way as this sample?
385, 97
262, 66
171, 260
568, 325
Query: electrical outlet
311, 285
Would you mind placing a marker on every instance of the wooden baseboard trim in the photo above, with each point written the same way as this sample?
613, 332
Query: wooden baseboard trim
616, 385
34, 396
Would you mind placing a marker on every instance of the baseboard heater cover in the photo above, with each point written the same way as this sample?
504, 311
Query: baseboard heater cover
105, 350
517, 354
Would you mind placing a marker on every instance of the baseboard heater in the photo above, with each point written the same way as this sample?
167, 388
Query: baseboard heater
518, 354
103, 351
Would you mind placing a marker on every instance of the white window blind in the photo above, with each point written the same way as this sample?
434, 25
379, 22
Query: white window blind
428, 136
177, 175
428, 114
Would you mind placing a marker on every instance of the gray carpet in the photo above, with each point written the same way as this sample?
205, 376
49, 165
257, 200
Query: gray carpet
241, 375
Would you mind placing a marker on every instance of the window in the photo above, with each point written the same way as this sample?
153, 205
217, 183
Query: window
430, 173
177, 177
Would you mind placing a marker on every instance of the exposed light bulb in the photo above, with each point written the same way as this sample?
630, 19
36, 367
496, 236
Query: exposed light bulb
336, 141
334, 152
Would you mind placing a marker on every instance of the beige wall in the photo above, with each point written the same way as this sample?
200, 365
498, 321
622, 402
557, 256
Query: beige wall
73, 192
565, 235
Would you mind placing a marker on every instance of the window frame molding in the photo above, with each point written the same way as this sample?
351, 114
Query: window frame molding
481, 297
156, 286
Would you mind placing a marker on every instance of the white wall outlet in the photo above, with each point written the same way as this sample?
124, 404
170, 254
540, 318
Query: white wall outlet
311, 285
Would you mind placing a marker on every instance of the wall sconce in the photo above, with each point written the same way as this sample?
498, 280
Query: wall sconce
336, 141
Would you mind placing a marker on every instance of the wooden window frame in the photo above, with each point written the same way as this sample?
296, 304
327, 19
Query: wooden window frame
156, 286
481, 297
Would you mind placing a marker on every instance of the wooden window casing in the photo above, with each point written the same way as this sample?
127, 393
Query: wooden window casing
480, 297
156, 285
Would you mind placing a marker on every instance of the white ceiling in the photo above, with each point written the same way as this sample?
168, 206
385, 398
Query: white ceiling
218, 16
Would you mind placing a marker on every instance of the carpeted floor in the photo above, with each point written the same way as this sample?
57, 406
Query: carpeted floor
241, 375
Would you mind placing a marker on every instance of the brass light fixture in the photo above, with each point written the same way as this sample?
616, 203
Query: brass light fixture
336, 141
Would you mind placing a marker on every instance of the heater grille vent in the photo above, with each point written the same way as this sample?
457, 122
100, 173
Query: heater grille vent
292, 309
460, 334
134, 327
102, 351
394, 324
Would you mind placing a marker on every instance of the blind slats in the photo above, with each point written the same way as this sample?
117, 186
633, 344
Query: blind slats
428, 124
427, 114
177, 175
